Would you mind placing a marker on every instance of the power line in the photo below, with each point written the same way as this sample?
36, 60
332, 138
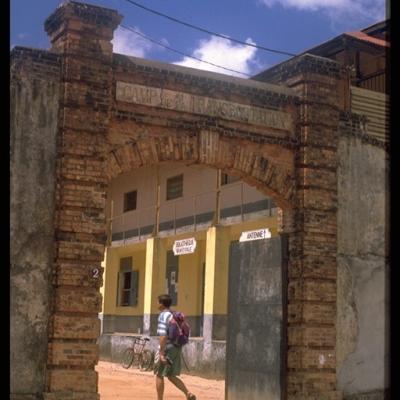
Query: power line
179, 52
207, 31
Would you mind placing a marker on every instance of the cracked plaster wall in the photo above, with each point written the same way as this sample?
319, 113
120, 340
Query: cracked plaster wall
34, 108
363, 305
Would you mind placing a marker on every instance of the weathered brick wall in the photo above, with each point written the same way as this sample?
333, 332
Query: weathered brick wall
100, 136
81, 35
255, 163
34, 93
141, 135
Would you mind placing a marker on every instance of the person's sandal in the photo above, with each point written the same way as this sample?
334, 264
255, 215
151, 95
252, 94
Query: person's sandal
191, 396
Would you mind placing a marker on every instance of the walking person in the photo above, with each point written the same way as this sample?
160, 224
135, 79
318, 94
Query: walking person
168, 356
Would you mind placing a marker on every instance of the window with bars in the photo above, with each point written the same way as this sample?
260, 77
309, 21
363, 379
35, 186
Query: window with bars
130, 201
128, 283
175, 187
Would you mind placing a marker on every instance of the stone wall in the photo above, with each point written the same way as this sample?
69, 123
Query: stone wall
363, 304
34, 109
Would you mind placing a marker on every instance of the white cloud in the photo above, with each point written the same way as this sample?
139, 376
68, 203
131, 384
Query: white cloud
308, 4
224, 53
368, 10
131, 44
165, 42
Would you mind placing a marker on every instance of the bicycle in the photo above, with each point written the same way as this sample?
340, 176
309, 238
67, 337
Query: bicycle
138, 355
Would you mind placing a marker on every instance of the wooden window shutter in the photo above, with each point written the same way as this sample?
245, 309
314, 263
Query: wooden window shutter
125, 267
134, 293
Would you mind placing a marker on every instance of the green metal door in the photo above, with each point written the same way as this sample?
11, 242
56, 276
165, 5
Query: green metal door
256, 308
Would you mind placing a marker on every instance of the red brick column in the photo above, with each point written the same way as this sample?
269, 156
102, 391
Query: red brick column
311, 359
312, 229
82, 35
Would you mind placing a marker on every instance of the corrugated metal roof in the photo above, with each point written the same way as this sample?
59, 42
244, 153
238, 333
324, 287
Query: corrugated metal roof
367, 38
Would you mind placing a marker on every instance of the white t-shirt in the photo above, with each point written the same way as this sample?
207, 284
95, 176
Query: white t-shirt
162, 327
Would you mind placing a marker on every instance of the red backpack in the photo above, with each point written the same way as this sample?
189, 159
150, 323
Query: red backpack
178, 329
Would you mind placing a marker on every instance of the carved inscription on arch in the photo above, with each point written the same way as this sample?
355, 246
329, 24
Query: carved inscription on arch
179, 101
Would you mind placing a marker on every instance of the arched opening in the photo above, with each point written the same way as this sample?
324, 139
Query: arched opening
150, 208
191, 201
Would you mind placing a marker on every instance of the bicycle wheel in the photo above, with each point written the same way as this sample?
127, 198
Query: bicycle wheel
146, 360
127, 358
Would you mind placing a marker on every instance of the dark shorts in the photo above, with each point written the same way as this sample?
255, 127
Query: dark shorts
174, 354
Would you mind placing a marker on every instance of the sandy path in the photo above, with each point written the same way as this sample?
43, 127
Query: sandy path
116, 382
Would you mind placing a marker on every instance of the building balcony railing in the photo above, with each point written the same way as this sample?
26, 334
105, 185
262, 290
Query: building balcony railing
187, 214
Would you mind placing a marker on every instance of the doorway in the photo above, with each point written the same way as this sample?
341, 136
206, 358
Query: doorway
255, 352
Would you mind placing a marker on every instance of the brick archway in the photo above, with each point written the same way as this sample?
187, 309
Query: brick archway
117, 113
254, 163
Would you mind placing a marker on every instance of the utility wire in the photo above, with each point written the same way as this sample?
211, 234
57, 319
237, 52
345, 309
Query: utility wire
207, 31
179, 52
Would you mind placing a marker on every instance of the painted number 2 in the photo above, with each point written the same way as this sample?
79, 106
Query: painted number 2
95, 273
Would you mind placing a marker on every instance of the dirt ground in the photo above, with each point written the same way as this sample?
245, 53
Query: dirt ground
116, 382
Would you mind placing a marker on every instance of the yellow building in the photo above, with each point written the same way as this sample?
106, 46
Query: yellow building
154, 209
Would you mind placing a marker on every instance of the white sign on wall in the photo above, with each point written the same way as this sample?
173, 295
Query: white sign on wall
255, 235
184, 246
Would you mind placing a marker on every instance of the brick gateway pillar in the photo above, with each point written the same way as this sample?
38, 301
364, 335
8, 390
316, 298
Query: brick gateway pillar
311, 227
81, 34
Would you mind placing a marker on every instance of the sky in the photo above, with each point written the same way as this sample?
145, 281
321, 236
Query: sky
291, 26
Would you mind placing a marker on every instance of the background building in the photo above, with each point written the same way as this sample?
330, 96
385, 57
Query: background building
188, 199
